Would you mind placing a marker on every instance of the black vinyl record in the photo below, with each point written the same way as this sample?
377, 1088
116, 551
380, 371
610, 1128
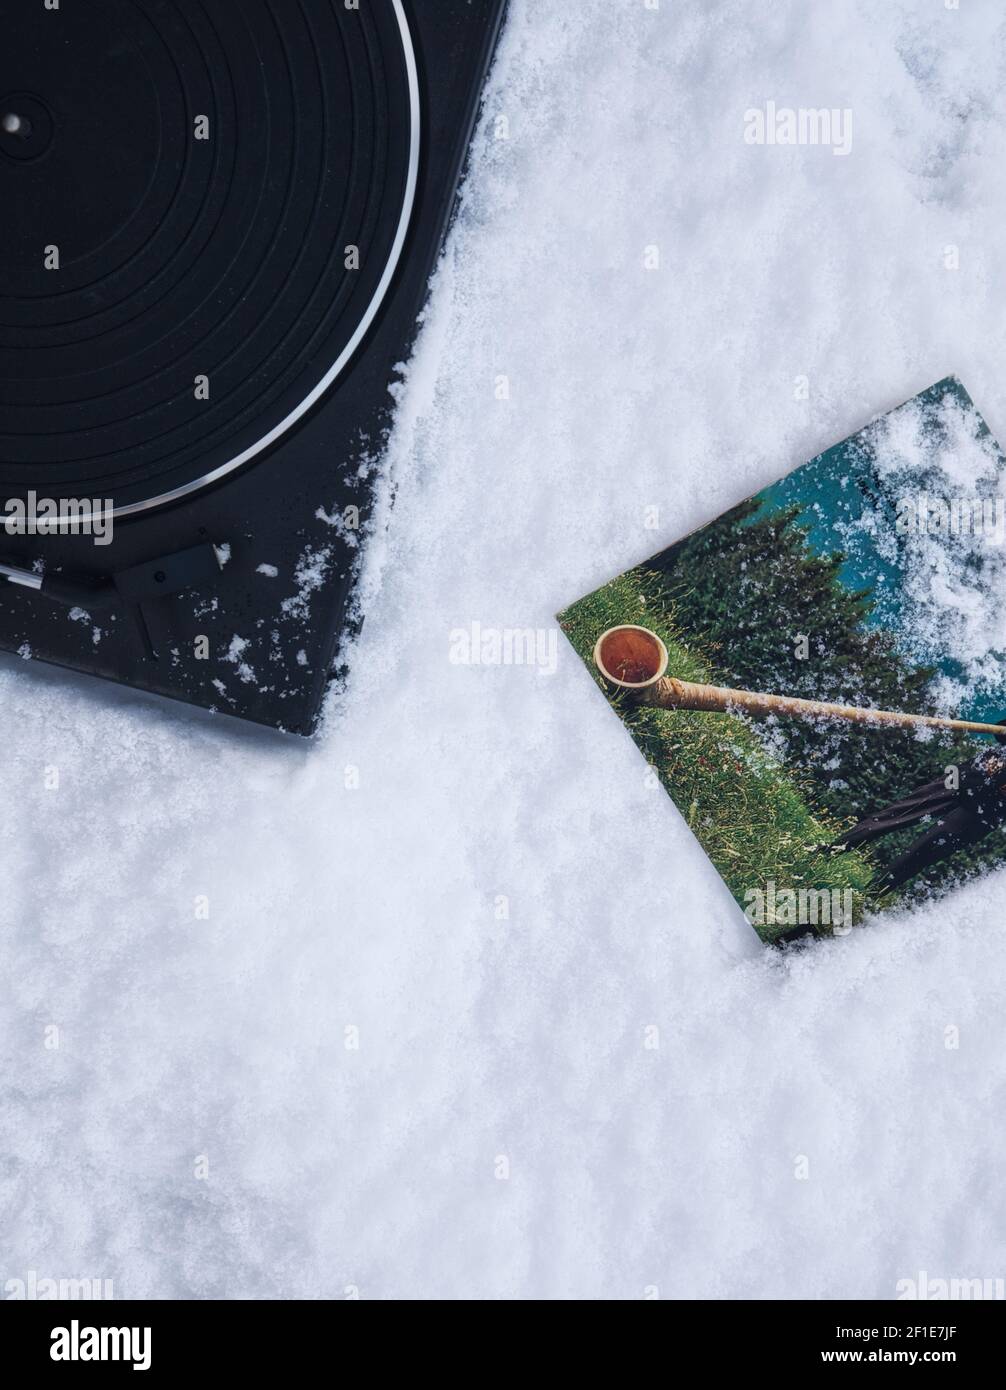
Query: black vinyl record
242, 180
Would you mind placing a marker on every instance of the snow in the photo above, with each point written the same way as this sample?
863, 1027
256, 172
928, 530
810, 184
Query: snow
953, 573
377, 1015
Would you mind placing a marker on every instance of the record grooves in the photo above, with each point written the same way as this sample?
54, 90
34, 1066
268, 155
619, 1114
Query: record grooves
225, 161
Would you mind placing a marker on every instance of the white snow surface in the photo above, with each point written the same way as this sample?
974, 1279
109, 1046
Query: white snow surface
206, 1127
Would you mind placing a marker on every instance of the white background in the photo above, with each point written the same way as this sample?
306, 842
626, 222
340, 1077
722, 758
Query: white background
374, 908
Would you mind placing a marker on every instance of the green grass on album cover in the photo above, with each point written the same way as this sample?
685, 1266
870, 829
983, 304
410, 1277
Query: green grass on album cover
749, 813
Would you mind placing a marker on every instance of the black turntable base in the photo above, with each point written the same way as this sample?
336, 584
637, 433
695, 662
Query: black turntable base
219, 218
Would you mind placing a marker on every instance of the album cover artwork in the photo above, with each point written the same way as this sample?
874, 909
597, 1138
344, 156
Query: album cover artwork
817, 677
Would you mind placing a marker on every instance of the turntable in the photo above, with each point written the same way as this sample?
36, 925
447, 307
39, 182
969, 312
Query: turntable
219, 218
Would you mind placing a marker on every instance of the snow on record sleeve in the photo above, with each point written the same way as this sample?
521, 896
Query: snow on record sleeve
818, 676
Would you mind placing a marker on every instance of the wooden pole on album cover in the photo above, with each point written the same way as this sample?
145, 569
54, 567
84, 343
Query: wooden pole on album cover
634, 659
